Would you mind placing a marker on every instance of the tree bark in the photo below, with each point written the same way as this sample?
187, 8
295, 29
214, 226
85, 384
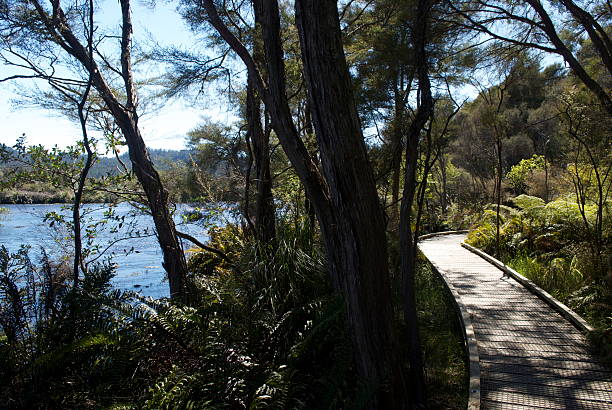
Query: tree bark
265, 218
265, 224
78, 194
397, 135
353, 230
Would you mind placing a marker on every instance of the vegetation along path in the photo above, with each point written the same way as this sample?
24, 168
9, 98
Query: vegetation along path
528, 354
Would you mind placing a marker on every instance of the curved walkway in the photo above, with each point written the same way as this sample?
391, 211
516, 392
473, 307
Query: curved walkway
530, 356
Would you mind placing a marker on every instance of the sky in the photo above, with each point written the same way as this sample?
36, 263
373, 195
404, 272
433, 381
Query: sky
164, 129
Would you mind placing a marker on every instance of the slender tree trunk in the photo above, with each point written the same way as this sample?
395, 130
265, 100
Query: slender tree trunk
408, 238
546, 194
310, 135
126, 117
498, 181
157, 198
246, 206
397, 135
78, 194
443, 177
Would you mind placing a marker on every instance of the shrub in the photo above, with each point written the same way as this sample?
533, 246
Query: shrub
519, 175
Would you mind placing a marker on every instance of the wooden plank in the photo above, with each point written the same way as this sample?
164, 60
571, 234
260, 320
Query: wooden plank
530, 355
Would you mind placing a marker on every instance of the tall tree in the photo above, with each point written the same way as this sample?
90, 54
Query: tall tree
260, 139
344, 192
51, 25
540, 25
408, 236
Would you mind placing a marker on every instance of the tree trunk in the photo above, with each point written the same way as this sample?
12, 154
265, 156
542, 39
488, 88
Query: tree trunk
353, 229
397, 134
346, 201
78, 194
265, 226
498, 181
310, 136
408, 238
548, 27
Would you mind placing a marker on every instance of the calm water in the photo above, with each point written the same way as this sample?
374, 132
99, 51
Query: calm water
138, 259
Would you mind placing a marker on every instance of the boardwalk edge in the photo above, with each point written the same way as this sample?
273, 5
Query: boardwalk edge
565, 311
468, 332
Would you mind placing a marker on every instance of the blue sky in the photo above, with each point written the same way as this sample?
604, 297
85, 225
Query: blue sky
165, 128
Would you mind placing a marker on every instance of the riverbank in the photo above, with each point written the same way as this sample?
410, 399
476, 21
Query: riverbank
33, 197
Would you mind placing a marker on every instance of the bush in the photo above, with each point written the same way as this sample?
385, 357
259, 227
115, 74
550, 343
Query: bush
519, 175
57, 341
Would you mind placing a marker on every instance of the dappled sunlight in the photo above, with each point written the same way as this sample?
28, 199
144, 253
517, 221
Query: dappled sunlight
530, 356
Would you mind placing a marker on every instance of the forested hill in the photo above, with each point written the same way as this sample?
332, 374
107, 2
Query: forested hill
107, 165
163, 160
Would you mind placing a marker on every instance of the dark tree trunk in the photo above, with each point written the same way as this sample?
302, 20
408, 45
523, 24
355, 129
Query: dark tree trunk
408, 238
78, 194
599, 37
353, 229
443, 179
345, 201
498, 181
89, 158
396, 155
157, 197
310, 135
265, 226
548, 27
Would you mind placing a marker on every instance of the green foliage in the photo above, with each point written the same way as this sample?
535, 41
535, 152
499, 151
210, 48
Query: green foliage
560, 275
525, 202
285, 322
518, 175
60, 345
264, 331
35, 174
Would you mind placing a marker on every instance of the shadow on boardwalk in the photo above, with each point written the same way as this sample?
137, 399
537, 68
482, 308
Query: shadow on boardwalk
530, 356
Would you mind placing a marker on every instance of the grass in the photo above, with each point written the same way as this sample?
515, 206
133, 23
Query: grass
558, 277
589, 299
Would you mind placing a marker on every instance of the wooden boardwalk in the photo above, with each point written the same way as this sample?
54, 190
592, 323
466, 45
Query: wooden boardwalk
530, 357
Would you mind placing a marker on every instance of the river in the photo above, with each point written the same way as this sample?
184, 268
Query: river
138, 258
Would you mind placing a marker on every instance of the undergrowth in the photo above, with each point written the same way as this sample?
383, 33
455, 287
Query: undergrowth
264, 331
442, 341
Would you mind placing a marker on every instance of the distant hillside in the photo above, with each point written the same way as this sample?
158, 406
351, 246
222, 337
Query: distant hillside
162, 159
